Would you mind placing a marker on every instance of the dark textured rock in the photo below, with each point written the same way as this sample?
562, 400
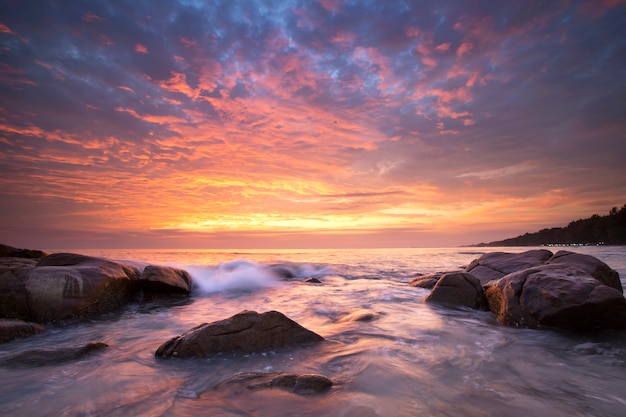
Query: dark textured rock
302, 384
495, 265
282, 271
556, 295
15, 329
42, 357
458, 289
13, 294
428, 281
11, 252
165, 280
592, 265
66, 285
246, 332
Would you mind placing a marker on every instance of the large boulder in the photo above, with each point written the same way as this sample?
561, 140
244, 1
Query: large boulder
593, 266
495, 265
11, 252
556, 295
13, 294
429, 281
301, 384
246, 332
65, 285
458, 289
15, 329
165, 280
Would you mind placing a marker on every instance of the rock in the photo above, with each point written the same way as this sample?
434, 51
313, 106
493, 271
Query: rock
15, 329
13, 294
65, 285
246, 332
458, 289
592, 265
428, 281
11, 252
41, 357
302, 384
313, 281
282, 271
362, 315
556, 295
495, 265
165, 280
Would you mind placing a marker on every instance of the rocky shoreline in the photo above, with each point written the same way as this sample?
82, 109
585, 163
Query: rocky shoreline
533, 289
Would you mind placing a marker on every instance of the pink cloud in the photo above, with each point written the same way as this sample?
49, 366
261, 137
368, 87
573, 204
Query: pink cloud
344, 37
12, 76
598, 8
413, 32
429, 62
464, 48
188, 43
123, 87
5, 29
443, 47
332, 5
177, 83
139, 48
90, 17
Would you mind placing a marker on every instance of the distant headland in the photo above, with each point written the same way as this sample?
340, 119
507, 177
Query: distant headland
595, 230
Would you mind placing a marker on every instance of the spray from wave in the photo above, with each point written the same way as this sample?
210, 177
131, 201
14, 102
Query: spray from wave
245, 276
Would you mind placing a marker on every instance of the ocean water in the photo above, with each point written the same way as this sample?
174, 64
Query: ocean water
413, 359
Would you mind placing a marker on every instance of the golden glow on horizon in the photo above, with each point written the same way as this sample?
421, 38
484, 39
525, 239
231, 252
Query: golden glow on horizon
297, 123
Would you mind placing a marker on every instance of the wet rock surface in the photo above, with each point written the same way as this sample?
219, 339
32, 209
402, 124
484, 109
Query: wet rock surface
301, 384
458, 289
16, 329
429, 281
246, 332
52, 356
165, 280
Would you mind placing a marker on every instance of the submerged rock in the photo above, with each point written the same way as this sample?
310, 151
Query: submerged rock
458, 289
360, 315
42, 357
302, 384
15, 329
246, 332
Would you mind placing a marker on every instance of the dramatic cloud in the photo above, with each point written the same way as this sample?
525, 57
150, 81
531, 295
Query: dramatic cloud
307, 123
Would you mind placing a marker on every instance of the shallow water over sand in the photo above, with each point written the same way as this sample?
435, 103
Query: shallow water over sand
411, 359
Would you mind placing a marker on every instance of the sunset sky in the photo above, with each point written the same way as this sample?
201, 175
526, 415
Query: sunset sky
307, 124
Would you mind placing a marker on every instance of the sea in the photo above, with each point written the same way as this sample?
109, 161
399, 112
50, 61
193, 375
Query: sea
409, 359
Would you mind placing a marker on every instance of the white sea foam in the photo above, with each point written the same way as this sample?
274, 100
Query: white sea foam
238, 275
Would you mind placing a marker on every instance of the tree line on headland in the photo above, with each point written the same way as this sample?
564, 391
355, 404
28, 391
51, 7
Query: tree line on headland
595, 230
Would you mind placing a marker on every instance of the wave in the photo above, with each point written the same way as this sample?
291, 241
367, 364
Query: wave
242, 275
